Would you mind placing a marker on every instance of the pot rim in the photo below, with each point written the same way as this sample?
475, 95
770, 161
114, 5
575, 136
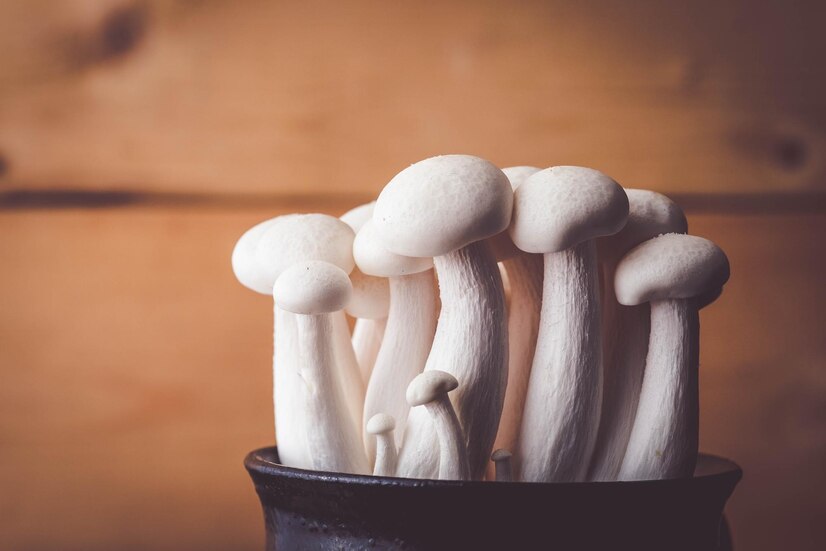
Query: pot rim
710, 467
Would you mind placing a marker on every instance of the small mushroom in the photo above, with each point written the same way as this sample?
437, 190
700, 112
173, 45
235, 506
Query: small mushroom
502, 460
259, 257
444, 208
312, 290
430, 389
381, 426
669, 272
625, 328
559, 212
408, 336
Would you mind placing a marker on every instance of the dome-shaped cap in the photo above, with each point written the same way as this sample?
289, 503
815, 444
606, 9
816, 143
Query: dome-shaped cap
371, 296
428, 386
373, 258
649, 214
500, 455
563, 206
380, 423
356, 217
312, 287
670, 266
244, 264
441, 204
518, 174
300, 237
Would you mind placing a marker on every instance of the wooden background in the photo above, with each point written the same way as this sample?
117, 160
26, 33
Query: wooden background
138, 139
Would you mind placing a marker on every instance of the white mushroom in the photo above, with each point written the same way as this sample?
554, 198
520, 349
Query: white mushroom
429, 389
444, 207
502, 460
625, 328
381, 426
524, 276
670, 272
312, 290
558, 212
408, 336
259, 257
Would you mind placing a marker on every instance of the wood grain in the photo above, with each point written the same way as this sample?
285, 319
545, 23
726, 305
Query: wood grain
330, 97
136, 375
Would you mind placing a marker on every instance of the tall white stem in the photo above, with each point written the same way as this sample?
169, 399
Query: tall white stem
453, 457
525, 276
287, 389
348, 373
367, 336
471, 343
407, 340
625, 344
385, 455
664, 438
332, 439
562, 406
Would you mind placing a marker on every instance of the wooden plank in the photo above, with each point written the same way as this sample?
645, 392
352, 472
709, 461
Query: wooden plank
319, 97
136, 376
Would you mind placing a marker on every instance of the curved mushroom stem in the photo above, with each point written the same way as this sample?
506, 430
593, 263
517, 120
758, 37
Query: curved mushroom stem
525, 276
367, 337
471, 343
287, 389
386, 454
332, 439
453, 454
502, 460
407, 340
664, 438
562, 406
625, 344
348, 373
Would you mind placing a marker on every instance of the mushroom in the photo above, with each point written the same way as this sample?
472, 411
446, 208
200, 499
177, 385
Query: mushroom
370, 302
259, 257
444, 207
312, 290
670, 272
625, 328
559, 212
502, 460
381, 426
524, 276
429, 389
411, 323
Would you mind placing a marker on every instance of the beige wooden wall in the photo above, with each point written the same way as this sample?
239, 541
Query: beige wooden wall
139, 139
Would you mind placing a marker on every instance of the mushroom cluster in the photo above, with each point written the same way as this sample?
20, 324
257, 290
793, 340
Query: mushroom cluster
549, 315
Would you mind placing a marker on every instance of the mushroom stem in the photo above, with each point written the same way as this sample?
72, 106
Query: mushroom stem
332, 439
287, 388
524, 273
348, 373
665, 435
385, 455
404, 350
502, 461
562, 405
453, 454
471, 343
367, 337
625, 344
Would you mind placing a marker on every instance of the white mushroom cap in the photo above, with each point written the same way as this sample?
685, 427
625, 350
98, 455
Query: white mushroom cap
356, 217
312, 287
374, 259
299, 237
560, 207
428, 386
500, 455
441, 204
371, 296
380, 423
518, 174
649, 214
670, 266
244, 264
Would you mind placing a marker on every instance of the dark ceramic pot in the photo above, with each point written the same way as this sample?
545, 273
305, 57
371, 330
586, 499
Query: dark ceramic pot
320, 510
